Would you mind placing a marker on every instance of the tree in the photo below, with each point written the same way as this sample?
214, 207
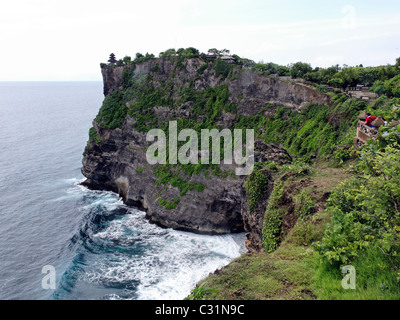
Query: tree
186, 53
393, 87
213, 50
299, 69
112, 58
127, 60
193, 51
168, 53
378, 87
398, 63
337, 82
139, 58
246, 62
225, 52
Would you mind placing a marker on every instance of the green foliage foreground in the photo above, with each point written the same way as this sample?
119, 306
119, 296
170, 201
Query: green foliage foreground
365, 226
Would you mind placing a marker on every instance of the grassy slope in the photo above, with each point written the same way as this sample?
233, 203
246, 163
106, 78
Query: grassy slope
295, 271
289, 272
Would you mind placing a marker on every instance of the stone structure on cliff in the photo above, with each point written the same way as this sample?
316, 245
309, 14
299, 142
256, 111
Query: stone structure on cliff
364, 132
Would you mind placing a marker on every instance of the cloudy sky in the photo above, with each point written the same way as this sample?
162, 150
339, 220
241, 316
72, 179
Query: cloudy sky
67, 39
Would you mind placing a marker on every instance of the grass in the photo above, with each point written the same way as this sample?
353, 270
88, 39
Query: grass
295, 271
376, 279
288, 273
285, 274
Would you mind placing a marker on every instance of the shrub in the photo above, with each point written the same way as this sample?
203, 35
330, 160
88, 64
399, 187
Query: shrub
272, 219
341, 155
304, 205
322, 88
113, 111
255, 185
365, 209
167, 175
172, 204
222, 68
199, 293
94, 136
390, 88
298, 167
155, 68
202, 68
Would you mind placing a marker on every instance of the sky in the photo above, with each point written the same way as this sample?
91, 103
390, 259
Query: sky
66, 40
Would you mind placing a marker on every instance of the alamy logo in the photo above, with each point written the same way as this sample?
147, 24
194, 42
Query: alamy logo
49, 280
349, 280
189, 153
349, 20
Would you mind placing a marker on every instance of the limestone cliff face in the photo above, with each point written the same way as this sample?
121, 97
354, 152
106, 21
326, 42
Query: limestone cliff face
117, 160
112, 78
258, 90
250, 91
119, 164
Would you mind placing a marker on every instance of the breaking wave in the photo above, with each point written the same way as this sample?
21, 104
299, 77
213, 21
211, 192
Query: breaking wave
120, 255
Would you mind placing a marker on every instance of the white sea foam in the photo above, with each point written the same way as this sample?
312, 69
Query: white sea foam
171, 263
145, 261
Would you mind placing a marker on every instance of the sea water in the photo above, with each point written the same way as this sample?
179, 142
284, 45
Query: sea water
99, 248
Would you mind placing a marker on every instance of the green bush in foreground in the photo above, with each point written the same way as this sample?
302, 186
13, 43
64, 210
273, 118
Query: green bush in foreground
365, 208
377, 278
365, 225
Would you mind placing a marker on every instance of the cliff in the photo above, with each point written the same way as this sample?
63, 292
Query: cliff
197, 94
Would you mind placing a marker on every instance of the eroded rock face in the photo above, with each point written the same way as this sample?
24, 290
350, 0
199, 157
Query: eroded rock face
257, 91
118, 162
112, 78
270, 152
250, 91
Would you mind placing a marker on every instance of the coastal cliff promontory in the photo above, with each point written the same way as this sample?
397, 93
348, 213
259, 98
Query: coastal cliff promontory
198, 93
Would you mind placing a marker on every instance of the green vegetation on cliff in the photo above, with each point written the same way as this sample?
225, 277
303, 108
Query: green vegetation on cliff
273, 218
357, 225
113, 111
315, 130
138, 99
255, 184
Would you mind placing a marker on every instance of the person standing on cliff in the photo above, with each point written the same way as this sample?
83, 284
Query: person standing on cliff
369, 120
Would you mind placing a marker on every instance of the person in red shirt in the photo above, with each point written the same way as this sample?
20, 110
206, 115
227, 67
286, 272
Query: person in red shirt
369, 120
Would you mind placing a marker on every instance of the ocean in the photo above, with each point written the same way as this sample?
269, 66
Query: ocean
97, 247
